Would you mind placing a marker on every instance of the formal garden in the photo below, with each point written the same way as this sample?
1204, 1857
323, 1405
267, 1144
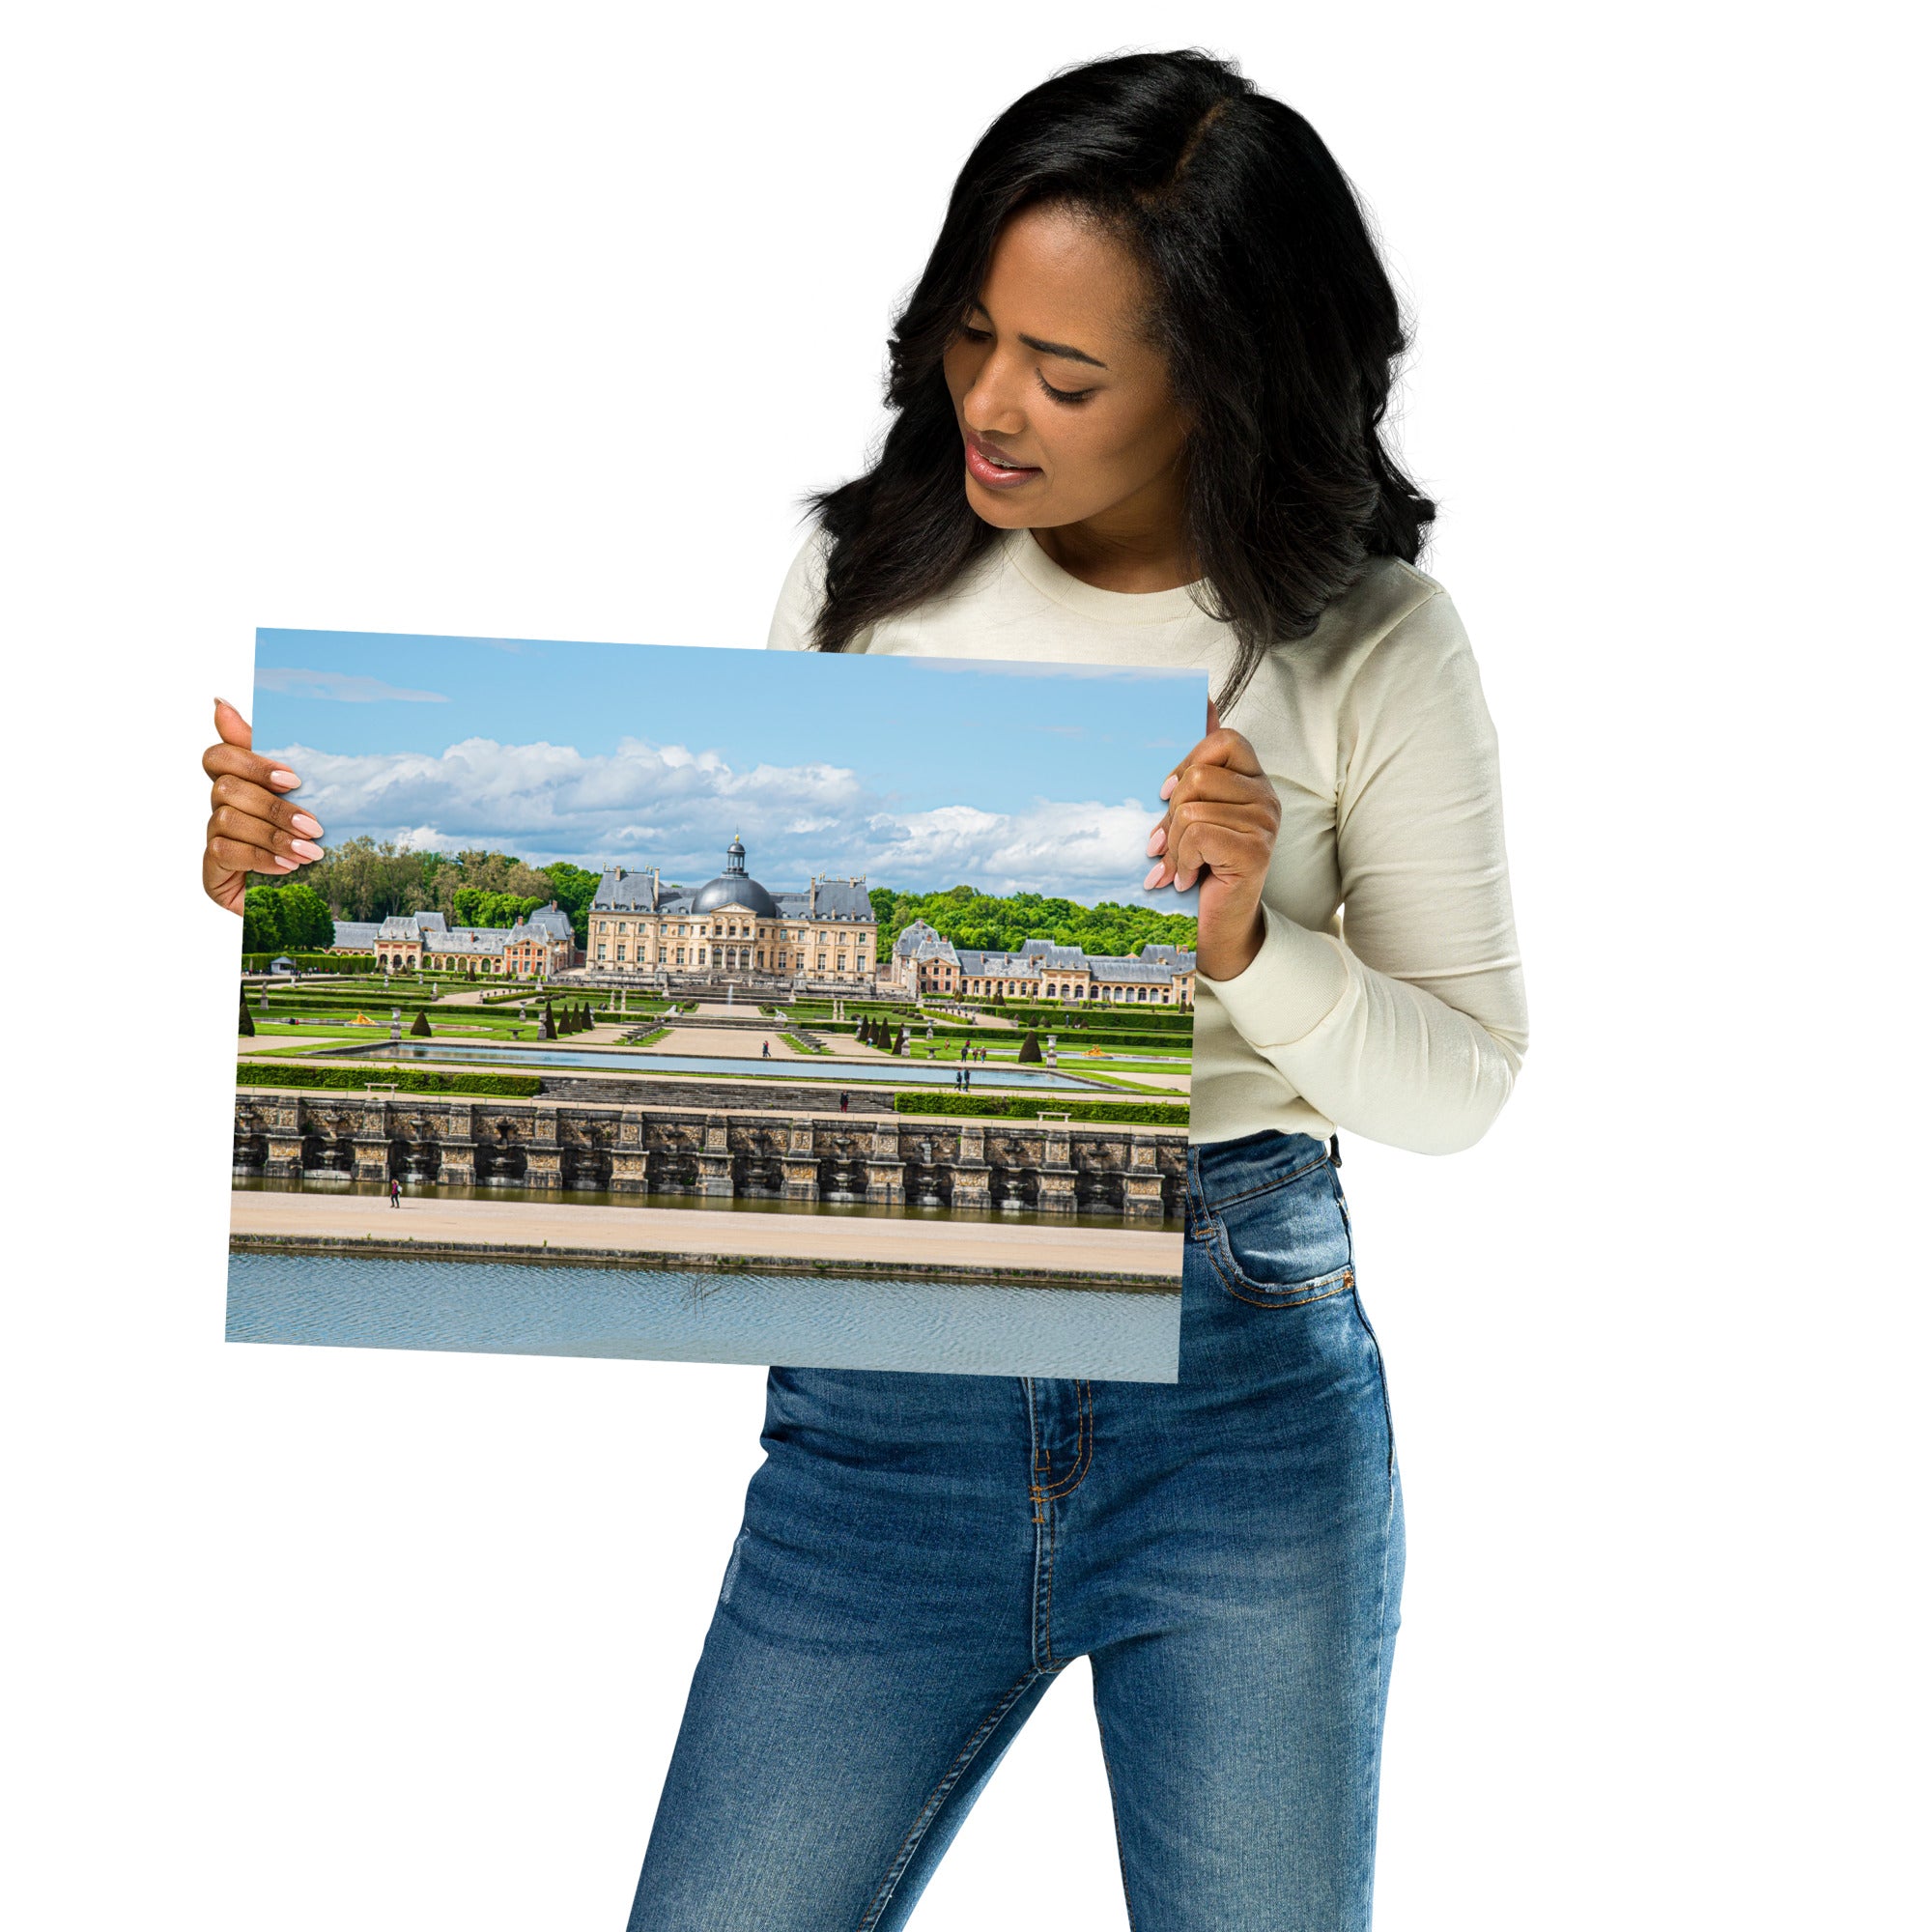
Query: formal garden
293, 1030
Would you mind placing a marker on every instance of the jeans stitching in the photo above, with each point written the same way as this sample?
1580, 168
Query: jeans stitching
1240, 1286
1083, 1453
909, 1844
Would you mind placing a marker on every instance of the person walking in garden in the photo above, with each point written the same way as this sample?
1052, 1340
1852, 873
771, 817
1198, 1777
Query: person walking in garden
1137, 401
395, 1191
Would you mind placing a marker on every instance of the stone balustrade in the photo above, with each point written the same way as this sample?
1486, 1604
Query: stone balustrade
1051, 1167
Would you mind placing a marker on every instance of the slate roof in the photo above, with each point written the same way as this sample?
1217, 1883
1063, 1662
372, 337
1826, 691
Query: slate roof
545, 922
631, 892
408, 926
1041, 956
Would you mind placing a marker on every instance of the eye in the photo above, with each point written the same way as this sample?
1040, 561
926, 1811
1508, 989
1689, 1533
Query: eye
973, 335
1064, 395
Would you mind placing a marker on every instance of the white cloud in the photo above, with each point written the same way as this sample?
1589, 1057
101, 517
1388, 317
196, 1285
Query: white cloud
671, 807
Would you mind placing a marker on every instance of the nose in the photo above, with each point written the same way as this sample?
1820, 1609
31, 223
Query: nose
990, 406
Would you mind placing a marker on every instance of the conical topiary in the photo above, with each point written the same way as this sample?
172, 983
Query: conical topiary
549, 1022
1029, 1047
248, 1020
899, 1042
419, 1026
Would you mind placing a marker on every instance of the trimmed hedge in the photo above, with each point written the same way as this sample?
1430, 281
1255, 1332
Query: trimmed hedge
310, 962
1012, 1107
1100, 1015
408, 1079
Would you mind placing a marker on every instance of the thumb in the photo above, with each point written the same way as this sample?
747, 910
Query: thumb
1213, 716
231, 727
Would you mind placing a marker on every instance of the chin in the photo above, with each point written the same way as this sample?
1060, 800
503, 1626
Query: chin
991, 507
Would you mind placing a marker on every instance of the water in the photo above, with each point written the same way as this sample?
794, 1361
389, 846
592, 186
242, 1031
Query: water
708, 1203
840, 1072
351, 1301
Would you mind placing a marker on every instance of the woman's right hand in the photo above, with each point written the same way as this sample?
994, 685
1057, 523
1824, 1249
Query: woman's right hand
253, 828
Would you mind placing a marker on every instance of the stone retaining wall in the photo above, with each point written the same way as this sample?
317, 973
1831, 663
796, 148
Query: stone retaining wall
458, 1139
374, 1247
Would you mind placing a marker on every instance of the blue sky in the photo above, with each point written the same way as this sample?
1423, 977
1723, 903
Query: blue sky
917, 772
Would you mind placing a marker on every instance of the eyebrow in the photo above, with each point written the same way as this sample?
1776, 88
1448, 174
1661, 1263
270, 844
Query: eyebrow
1065, 349
1061, 349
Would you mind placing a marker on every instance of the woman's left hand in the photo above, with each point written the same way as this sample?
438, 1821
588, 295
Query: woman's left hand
1222, 818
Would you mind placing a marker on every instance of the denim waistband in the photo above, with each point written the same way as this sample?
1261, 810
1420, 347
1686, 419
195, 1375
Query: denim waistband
1224, 1170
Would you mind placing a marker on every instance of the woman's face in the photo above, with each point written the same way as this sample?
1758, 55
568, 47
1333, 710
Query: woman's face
1065, 408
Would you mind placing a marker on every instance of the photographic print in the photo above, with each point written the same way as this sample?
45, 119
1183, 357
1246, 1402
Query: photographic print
716, 1006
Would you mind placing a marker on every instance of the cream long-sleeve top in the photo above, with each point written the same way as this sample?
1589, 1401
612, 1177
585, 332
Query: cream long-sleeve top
1387, 998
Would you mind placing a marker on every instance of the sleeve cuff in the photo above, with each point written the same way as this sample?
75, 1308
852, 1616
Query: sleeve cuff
1288, 988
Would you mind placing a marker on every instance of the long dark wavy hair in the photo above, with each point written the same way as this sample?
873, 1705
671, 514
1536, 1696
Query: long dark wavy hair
1270, 304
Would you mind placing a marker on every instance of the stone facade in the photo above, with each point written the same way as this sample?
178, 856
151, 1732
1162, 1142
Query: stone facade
1052, 1167
537, 947
734, 928
924, 965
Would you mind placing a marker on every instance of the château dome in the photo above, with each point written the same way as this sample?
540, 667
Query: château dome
732, 887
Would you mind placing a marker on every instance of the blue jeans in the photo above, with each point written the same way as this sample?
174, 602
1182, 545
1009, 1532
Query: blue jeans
922, 1554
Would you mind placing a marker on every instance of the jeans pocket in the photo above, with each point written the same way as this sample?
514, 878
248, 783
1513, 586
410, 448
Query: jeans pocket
1284, 1244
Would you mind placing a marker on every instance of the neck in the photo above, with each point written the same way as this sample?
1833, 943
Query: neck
1136, 545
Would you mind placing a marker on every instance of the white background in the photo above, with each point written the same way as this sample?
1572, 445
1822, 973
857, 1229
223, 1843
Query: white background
537, 321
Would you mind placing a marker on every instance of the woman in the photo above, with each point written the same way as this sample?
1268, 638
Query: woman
1137, 395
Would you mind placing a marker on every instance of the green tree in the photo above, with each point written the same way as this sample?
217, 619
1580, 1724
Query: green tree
1029, 1049
247, 1028
420, 1028
302, 915
572, 889
260, 919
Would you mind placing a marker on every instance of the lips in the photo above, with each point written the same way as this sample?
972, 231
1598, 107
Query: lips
995, 469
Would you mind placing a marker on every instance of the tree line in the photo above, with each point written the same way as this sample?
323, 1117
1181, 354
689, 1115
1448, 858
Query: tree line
987, 923
363, 879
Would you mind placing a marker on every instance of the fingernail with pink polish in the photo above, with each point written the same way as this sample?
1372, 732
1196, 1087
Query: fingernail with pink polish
1159, 842
286, 865
283, 778
301, 822
308, 848
1173, 780
1153, 878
